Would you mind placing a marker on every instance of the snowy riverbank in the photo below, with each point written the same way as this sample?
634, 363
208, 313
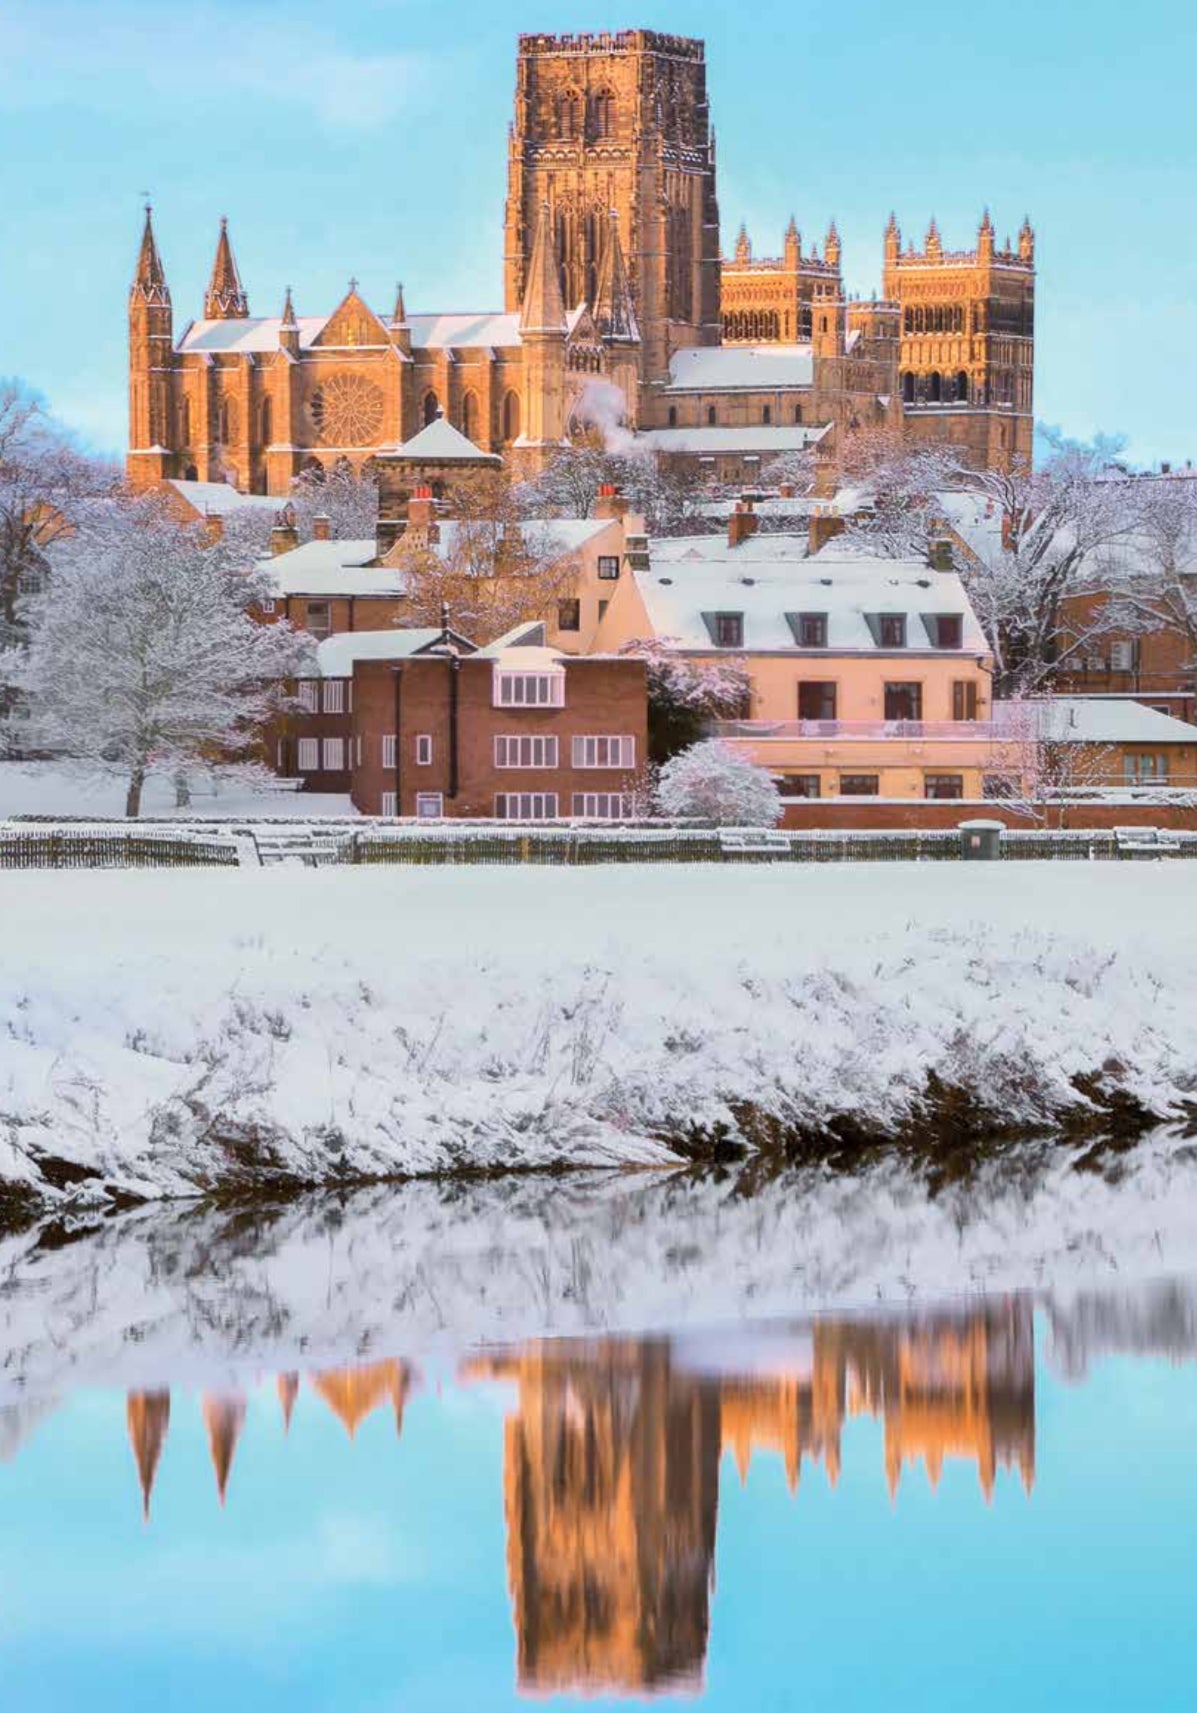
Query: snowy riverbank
168, 1033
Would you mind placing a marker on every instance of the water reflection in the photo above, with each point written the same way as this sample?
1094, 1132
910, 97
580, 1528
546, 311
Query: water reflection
614, 1447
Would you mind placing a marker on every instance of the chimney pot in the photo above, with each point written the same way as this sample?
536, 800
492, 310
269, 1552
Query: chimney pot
321, 528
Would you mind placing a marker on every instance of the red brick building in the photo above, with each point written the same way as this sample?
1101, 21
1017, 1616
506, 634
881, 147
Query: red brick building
420, 722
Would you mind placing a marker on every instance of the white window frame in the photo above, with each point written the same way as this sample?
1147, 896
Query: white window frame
334, 755
307, 694
267, 605
388, 803
608, 559
603, 806
307, 755
430, 805
423, 749
535, 751
529, 689
388, 749
526, 805
334, 695
324, 628
606, 750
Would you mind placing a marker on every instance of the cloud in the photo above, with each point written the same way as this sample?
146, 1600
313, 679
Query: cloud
197, 59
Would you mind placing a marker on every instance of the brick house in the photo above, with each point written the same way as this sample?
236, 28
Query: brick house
423, 723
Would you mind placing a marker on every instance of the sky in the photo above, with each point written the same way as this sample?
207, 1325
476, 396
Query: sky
369, 140
371, 1575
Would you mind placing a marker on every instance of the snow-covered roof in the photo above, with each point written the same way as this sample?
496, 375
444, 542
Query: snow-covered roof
760, 437
469, 329
333, 568
336, 655
519, 658
739, 368
433, 332
439, 442
769, 580
1101, 719
218, 499
254, 333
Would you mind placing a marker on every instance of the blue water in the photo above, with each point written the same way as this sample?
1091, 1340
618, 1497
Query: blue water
575, 1519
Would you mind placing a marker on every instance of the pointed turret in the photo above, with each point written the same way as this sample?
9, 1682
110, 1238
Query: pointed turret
224, 1417
985, 238
288, 333
743, 244
354, 1393
934, 243
543, 309
893, 238
147, 1415
832, 249
149, 281
1026, 240
792, 248
225, 300
613, 312
400, 315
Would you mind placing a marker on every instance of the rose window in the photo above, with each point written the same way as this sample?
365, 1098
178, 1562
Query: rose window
347, 411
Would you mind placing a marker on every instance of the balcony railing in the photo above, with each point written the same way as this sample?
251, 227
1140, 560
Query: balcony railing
959, 731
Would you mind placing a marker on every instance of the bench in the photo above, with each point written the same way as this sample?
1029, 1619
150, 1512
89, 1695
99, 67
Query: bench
1132, 842
751, 843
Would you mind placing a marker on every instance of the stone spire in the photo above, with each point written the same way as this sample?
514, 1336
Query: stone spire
288, 332
1026, 240
792, 246
543, 308
934, 243
225, 300
743, 243
149, 282
147, 1415
832, 249
288, 1391
400, 315
613, 312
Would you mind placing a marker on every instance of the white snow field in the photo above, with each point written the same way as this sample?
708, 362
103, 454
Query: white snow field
43, 788
173, 1031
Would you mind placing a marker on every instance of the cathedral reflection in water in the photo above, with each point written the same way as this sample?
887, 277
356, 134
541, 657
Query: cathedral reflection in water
613, 1450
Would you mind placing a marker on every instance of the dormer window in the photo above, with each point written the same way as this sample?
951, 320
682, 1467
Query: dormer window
946, 630
726, 629
889, 629
809, 629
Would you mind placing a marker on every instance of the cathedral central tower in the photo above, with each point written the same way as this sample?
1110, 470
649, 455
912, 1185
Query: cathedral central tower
611, 131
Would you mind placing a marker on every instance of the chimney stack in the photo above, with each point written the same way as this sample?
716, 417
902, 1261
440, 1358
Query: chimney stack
610, 503
742, 523
939, 554
321, 528
284, 536
824, 526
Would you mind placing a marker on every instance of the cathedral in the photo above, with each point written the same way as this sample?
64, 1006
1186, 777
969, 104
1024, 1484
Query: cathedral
619, 311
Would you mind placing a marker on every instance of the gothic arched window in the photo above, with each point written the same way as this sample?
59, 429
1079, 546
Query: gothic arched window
604, 113
469, 416
908, 388
962, 387
266, 434
569, 115
711, 418
935, 386
431, 408
185, 422
511, 416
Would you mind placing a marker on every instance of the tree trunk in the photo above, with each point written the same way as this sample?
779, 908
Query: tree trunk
133, 795
182, 790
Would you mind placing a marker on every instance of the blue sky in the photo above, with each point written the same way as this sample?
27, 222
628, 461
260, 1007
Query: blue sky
371, 1576
370, 139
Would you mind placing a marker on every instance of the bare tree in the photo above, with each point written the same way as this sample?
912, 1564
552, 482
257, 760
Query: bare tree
665, 489
346, 497
492, 568
1153, 573
144, 656
1041, 759
897, 511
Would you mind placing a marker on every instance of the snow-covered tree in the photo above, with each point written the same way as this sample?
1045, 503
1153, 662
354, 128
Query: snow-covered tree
347, 498
46, 486
143, 654
666, 491
795, 470
685, 695
1154, 572
898, 513
1054, 531
711, 781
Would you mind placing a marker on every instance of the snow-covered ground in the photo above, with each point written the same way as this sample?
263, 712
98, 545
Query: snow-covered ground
37, 788
172, 1031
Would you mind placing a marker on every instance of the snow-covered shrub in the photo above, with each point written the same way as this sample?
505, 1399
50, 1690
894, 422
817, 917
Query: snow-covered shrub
713, 782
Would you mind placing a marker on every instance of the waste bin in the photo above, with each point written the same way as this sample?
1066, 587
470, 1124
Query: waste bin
981, 841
